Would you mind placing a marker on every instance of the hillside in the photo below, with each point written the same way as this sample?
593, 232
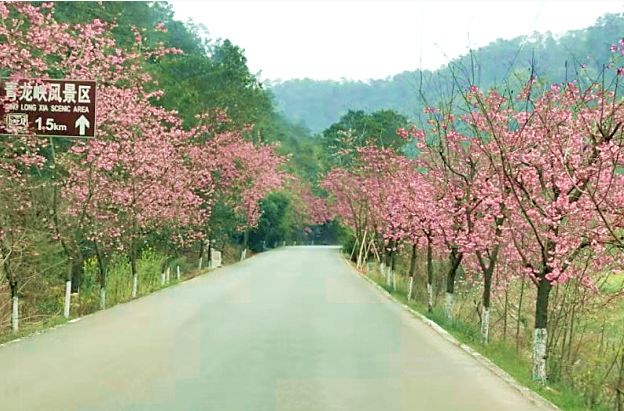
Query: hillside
317, 104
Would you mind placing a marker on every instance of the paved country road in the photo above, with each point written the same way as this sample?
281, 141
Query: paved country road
292, 329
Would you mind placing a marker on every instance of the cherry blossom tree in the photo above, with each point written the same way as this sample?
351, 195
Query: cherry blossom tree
34, 46
239, 172
559, 157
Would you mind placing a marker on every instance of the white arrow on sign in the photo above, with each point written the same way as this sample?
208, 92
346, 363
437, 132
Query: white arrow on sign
82, 123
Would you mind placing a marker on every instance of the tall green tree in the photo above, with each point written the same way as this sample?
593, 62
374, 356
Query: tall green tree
359, 129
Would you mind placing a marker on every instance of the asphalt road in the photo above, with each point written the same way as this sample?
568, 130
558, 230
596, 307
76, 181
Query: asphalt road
292, 329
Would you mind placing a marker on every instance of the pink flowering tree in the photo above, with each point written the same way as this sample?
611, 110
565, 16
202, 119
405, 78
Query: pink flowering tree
559, 160
128, 178
18, 158
446, 155
348, 203
34, 46
471, 198
233, 170
310, 209
410, 210
365, 197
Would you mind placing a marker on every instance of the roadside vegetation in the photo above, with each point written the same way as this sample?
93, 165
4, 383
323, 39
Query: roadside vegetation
500, 213
509, 345
189, 159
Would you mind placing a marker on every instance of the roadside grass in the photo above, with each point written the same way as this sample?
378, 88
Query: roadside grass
118, 285
501, 353
33, 328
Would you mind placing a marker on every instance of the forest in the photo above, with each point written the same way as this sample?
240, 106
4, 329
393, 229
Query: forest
317, 104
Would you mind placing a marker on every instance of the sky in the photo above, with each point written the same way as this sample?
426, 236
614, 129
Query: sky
374, 39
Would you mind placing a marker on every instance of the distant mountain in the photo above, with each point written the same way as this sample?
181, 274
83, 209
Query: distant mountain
317, 104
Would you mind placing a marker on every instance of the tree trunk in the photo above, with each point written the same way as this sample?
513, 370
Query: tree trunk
201, 254
393, 268
245, 242
209, 254
102, 298
518, 314
74, 277
135, 274
540, 336
77, 271
412, 271
67, 305
485, 325
505, 312
455, 258
102, 276
15, 306
429, 276
360, 257
487, 295
352, 255
68, 288
388, 264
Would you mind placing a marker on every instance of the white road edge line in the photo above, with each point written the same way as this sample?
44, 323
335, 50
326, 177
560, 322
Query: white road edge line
526, 392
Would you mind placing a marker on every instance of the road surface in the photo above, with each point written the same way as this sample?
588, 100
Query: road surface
292, 329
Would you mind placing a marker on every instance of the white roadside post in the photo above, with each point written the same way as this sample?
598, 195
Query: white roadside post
178, 273
168, 276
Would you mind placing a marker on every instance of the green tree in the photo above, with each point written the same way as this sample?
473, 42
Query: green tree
359, 129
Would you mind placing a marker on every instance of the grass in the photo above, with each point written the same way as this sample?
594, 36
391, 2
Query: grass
503, 354
118, 285
33, 328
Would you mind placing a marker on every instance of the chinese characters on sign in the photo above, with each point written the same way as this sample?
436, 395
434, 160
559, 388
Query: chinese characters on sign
47, 107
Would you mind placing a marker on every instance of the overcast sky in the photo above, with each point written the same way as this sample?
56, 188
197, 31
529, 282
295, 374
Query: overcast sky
334, 39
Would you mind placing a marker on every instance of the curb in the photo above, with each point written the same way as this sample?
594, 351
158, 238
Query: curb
526, 392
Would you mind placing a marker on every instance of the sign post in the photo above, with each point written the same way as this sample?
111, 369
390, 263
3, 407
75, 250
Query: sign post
64, 108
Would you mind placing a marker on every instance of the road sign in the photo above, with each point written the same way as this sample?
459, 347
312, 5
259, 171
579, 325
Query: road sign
47, 107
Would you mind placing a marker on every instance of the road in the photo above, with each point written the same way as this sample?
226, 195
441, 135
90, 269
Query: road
291, 329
